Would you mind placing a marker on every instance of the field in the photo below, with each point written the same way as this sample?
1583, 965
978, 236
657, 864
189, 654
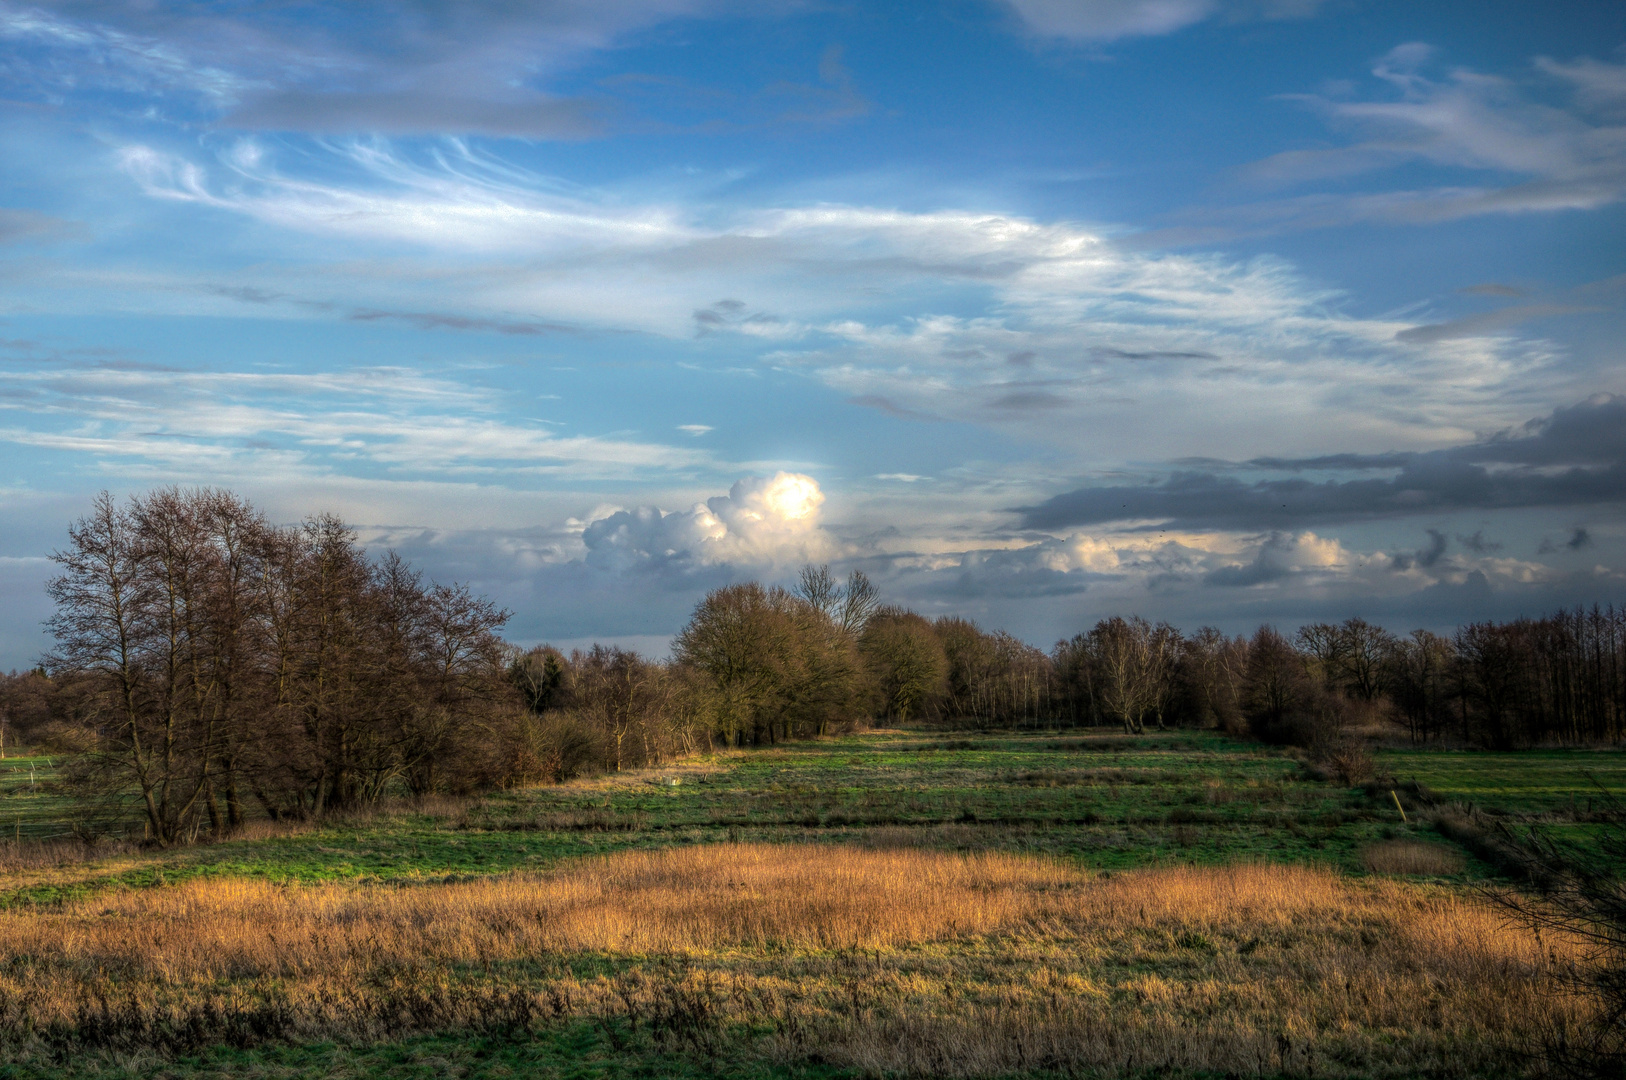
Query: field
895, 903
31, 806
1562, 792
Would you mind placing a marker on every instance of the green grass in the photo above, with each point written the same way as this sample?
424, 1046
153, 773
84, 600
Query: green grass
1527, 782
1561, 793
32, 804
581, 1051
1106, 802
1098, 800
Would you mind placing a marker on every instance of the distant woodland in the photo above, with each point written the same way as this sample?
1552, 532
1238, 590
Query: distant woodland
211, 666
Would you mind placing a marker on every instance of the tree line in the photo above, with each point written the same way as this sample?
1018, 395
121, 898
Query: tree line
211, 666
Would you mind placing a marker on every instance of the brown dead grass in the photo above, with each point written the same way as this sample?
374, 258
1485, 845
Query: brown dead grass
1417, 857
903, 960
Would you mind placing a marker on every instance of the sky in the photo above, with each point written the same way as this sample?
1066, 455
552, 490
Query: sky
1036, 311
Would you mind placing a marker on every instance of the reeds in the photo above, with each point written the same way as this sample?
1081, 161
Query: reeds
907, 960
1416, 857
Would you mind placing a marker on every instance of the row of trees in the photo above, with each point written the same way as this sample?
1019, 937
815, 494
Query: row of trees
219, 666
776, 663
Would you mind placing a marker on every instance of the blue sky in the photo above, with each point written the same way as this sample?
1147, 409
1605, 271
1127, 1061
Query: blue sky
1037, 311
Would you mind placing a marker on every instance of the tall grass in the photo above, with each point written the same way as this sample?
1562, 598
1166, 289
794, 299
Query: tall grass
886, 959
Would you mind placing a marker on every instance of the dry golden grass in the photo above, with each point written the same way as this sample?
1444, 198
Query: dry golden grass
1412, 857
905, 960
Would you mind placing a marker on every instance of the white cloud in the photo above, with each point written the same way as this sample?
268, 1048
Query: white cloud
230, 425
762, 521
1107, 20
1540, 157
401, 70
1073, 325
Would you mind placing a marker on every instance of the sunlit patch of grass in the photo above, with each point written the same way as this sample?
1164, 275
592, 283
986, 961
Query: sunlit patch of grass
907, 961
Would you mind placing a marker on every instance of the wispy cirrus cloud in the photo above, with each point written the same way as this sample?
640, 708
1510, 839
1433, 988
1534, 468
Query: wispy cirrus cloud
481, 68
1549, 140
224, 424
1062, 323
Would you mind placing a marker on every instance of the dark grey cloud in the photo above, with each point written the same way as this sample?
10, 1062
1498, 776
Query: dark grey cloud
1028, 400
423, 320
1579, 538
1425, 557
888, 406
434, 320
1574, 457
1122, 354
1478, 544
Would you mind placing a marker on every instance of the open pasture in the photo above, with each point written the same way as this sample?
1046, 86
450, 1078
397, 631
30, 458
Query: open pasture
1105, 800
1568, 794
897, 903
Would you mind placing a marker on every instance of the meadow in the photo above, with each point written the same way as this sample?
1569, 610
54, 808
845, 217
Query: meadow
892, 903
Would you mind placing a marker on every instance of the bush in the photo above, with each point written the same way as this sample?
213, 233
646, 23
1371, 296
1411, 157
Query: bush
1349, 760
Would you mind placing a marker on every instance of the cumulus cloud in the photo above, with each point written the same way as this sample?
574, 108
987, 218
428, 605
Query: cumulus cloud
1574, 456
762, 521
1283, 555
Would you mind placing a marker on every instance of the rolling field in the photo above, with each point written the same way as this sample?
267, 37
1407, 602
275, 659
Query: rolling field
895, 903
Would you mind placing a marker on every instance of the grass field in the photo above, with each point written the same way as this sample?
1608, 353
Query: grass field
1563, 793
1109, 802
894, 903
32, 806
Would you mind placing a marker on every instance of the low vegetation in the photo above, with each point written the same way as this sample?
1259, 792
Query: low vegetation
282, 809
894, 903
907, 961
